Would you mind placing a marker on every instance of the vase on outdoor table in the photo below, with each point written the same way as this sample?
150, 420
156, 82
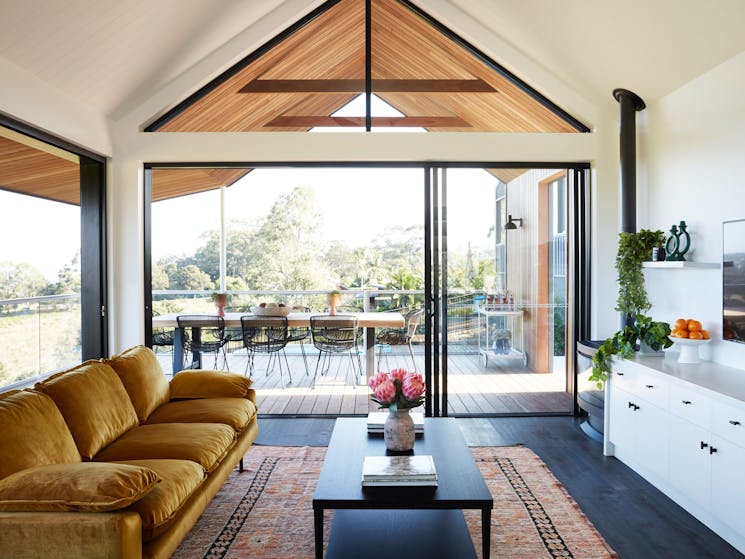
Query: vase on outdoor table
398, 430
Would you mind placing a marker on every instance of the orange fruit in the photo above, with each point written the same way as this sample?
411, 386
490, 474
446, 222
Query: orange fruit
705, 334
694, 325
678, 333
696, 335
681, 324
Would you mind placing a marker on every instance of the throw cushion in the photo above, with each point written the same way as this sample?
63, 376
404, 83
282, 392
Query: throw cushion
178, 480
209, 384
143, 378
203, 443
93, 402
85, 487
33, 433
236, 412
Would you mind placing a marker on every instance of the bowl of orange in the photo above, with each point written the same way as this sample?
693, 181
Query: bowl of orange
688, 334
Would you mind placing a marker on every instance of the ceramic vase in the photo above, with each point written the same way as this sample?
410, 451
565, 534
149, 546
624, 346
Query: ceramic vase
398, 431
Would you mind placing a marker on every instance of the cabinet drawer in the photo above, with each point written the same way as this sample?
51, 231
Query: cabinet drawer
625, 380
652, 389
690, 404
729, 422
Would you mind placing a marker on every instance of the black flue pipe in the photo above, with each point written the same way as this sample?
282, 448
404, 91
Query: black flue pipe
629, 103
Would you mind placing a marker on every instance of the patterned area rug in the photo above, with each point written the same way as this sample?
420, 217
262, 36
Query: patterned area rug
266, 511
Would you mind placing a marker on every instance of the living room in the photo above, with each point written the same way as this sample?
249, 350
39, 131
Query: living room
686, 62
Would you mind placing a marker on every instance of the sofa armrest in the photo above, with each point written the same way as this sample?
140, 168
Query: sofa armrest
210, 384
60, 535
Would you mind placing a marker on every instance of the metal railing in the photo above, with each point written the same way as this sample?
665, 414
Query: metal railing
559, 255
38, 335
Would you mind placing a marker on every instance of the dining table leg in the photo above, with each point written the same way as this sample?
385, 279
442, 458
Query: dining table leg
178, 350
369, 353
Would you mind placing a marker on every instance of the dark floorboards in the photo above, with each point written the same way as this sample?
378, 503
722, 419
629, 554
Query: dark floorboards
637, 521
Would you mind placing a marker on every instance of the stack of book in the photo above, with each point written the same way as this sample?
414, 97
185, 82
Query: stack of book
376, 420
414, 470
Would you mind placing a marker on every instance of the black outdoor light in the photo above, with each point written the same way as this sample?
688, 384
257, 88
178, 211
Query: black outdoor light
510, 225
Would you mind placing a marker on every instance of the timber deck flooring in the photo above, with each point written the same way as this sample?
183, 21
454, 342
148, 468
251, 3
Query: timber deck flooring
637, 520
503, 387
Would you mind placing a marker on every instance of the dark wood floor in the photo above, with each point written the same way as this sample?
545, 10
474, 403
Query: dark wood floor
638, 521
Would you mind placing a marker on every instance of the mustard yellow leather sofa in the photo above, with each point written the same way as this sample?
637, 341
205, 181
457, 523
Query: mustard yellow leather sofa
110, 460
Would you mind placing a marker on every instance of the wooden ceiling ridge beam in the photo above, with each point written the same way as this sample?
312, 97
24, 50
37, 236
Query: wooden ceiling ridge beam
310, 121
358, 86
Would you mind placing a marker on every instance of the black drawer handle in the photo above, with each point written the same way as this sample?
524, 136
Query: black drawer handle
703, 445
732, 422
650, 385
620, 374
631, 404
712, 450
686, 402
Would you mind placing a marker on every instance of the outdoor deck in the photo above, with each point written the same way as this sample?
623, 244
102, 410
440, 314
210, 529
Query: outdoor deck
503, 387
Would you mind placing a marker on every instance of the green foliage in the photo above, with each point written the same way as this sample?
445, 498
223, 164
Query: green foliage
622, 343
633, 249
22, 280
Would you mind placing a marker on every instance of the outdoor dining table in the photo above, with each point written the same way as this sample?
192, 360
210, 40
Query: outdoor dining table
367, 320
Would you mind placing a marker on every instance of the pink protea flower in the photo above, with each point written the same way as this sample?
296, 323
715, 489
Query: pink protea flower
385, 392
377, 379
399, 374
413, 386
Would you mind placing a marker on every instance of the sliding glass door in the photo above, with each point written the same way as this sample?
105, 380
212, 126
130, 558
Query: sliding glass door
499, 252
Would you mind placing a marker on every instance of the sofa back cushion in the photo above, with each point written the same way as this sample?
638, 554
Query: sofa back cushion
33, 433
94, 403
143, 378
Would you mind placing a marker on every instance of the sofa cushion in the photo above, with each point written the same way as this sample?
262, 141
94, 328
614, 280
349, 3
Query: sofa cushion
178, 481
209, 384
236, 412
203, 443
33, 433
94, 403
143, 379
83, 487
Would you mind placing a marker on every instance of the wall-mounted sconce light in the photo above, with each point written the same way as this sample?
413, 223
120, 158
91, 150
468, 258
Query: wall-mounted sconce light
510, 225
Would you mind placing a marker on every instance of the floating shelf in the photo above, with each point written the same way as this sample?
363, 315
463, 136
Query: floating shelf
681, 264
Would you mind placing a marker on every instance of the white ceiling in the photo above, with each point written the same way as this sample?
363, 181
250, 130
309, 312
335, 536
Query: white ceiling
107, 52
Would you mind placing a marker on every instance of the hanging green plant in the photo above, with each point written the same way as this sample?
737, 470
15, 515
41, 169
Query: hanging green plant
633, 249
623, 343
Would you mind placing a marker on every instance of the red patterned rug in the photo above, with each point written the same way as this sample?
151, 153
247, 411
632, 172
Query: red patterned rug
266, 511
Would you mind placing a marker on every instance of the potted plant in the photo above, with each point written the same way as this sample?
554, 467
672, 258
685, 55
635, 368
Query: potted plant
221, 300
399, 391
333, 298
633, 250
650, 333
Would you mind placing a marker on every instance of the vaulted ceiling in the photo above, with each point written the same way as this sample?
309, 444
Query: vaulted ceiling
414, 64
108, 54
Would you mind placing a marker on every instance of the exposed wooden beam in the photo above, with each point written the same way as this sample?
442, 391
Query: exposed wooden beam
358, 86
382, 121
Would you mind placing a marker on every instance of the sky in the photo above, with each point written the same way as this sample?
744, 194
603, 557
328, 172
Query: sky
48, 248
357, 205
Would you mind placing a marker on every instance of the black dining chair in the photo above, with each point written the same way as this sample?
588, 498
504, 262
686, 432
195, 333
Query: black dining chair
400, 336
207, 336
335, 335
298, 334
266, 334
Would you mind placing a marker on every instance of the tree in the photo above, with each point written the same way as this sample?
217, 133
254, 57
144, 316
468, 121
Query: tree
21, 280
190, 277
69, 277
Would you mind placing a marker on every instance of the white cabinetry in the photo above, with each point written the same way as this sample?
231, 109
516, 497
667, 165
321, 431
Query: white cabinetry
682, 427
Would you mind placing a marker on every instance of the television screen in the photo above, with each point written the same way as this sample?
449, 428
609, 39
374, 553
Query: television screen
733, 280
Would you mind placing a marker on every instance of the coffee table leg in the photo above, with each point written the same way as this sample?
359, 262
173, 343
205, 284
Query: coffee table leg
318, 529
486, 533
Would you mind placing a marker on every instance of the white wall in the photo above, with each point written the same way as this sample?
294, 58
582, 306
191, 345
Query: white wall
692, 146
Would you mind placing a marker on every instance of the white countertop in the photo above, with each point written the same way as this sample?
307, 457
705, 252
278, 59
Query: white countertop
706, 374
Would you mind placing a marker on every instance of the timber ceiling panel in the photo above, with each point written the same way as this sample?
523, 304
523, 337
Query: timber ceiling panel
172, 183
307, 76
28, 169
507, 175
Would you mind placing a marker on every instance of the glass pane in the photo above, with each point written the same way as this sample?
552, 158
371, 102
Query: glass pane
40, 287
506, 319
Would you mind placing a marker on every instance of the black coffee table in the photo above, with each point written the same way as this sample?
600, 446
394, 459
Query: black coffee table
460, 486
